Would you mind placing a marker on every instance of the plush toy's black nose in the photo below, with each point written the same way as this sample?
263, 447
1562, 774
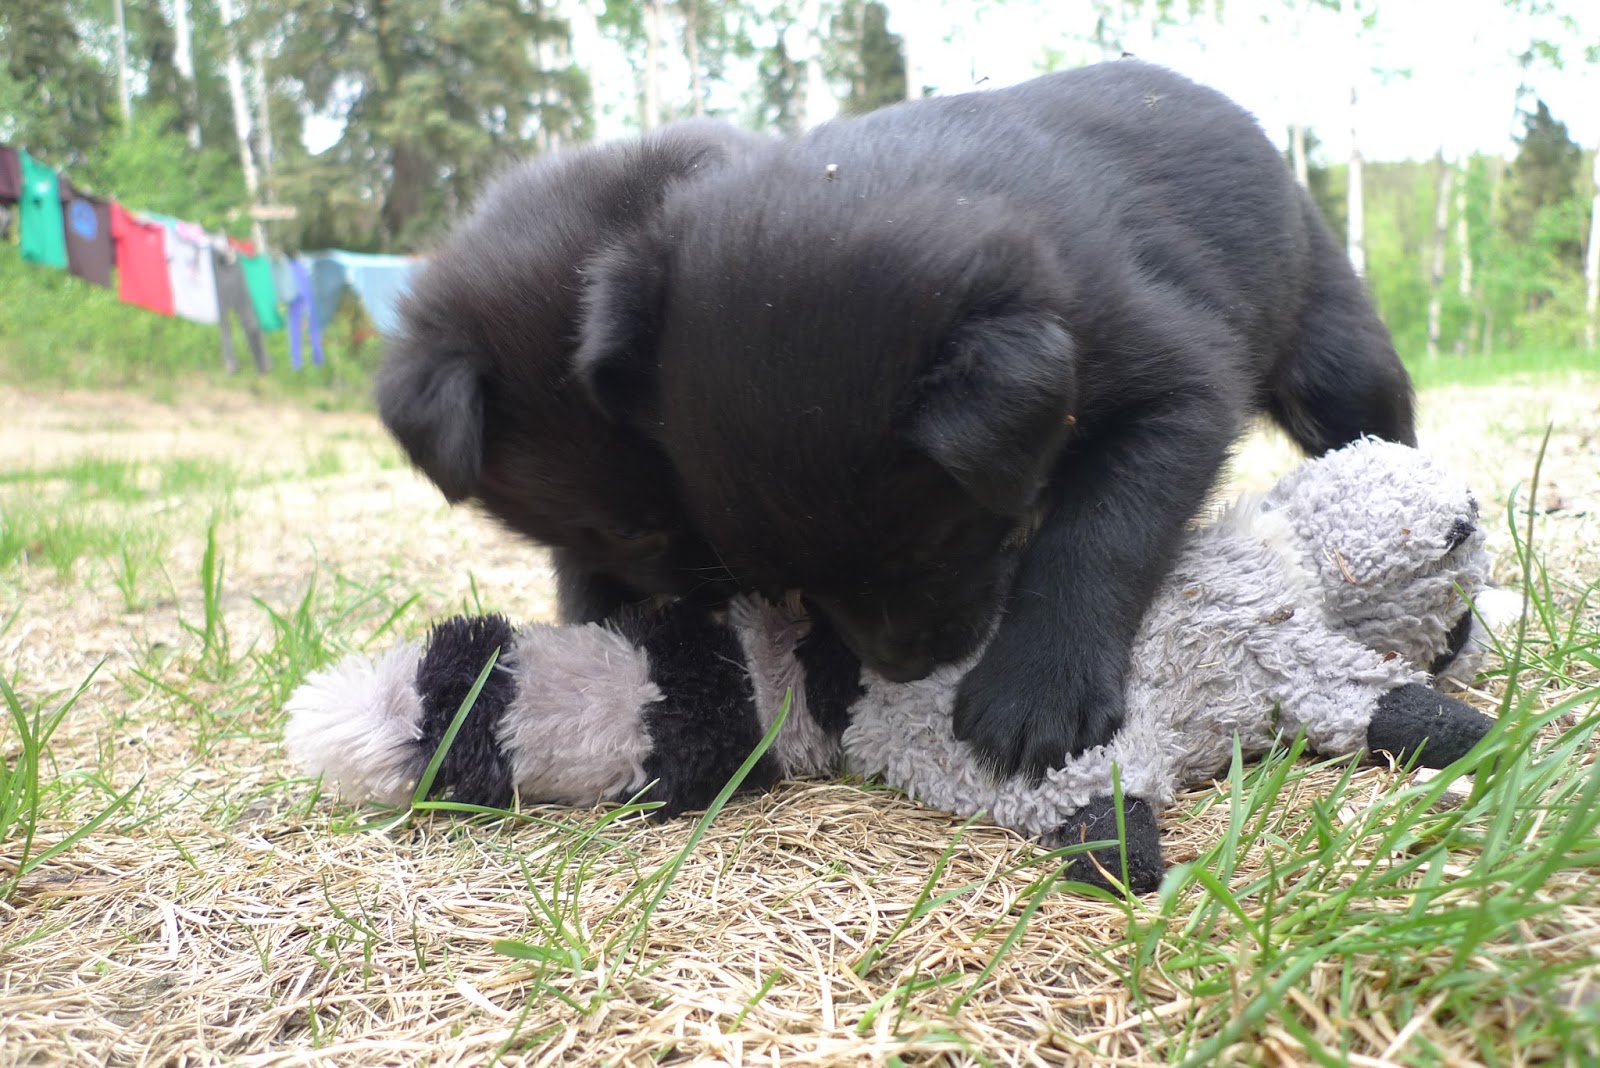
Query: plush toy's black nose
1460, 531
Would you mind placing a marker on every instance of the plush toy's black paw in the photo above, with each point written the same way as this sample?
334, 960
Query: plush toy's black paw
1097, 821
1417, 720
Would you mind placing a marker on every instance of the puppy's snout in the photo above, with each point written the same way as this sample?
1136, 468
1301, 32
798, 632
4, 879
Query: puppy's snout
876, 649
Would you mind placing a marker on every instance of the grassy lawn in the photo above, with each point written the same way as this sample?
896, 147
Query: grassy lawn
169, 890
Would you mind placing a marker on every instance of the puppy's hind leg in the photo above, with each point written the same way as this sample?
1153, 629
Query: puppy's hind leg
1340, 378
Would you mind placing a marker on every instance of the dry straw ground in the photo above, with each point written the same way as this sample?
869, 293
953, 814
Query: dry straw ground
229, 914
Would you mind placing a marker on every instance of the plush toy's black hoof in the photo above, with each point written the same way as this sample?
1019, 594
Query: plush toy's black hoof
1415, 720
1097, 821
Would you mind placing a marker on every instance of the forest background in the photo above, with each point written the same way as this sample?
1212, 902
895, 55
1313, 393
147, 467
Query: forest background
370, 125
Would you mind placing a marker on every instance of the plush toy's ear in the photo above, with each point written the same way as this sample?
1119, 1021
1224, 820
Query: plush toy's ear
433, 404
618, 330
997, 404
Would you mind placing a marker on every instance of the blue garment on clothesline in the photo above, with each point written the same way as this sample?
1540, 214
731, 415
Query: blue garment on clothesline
380, 282
293, 278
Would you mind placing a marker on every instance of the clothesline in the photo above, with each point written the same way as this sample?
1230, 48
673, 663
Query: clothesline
178, 268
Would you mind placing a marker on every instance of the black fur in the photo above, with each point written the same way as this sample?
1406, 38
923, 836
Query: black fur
1042, 310
705, 725
1097, 821
1455, 641
478, 390
833, 676
1415, 720
474, 771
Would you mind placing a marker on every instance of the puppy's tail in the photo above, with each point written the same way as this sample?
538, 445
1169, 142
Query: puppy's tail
1340, 379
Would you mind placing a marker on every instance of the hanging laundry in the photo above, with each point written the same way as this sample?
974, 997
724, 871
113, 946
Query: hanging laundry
44, 239
380, 282
88, 233
327, 286
141, 249
263, 294
232, 295
189, 268
293, 281
10, 175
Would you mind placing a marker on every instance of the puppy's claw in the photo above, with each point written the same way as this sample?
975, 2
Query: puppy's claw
1030, 722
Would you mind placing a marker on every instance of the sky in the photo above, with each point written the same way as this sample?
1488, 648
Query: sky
1428, 73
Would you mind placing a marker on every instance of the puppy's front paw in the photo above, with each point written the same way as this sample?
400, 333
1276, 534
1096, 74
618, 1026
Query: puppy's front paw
1025, 708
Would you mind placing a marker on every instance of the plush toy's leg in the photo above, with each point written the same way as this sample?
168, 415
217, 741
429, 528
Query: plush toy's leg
475, 770
1417, 720
833, 676
705, 725
358, 725
1097, 821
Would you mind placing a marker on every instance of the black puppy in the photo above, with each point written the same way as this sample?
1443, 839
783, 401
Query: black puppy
478, 386
880, 353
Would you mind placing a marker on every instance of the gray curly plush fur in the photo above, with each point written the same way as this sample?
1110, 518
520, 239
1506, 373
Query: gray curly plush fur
1313, 608
1296, 610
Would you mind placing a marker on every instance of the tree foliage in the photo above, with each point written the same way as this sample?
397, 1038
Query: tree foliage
56, 96
866, 58
1545, 177
433, 98
416, 102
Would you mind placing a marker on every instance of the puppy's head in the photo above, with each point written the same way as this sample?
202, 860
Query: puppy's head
478, 387
862, 394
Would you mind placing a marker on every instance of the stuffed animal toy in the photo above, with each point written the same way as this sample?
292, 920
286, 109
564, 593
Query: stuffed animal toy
1323, 607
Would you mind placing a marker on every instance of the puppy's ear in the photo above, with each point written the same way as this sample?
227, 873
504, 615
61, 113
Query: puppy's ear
433, 405
996, 407
618, 330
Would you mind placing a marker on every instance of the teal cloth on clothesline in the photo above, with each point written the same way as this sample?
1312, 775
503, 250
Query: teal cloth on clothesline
379, 281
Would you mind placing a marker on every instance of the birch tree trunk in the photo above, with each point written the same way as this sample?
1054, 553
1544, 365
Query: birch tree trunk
652, 65
1463, 254
183, 59
908, 22
1481, 333
1355, 202
1441, 224
1591, 266
806, 51
859, 76
258, 58
1297, 130
691, 51
124, 95
241, 117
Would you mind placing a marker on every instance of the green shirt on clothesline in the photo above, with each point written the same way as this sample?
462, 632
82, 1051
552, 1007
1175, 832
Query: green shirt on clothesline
44, 236
263, 293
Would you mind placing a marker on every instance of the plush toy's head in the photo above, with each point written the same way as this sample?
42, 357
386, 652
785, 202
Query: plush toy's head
1388, 539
